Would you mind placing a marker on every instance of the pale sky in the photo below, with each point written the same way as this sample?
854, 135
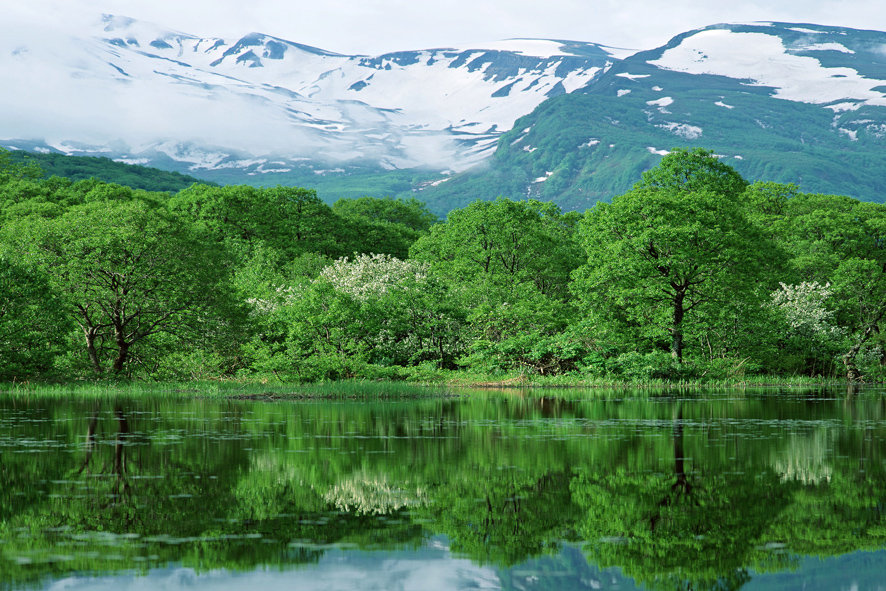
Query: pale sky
377, 26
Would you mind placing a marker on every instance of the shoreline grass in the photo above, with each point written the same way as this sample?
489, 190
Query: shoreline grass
441, 385
228, 389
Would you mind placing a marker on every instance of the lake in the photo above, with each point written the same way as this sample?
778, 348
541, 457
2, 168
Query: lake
601, 489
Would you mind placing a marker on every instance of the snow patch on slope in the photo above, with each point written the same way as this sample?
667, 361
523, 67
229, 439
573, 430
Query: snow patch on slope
683, 130
662, 102
824, 47
632, 76
763, 60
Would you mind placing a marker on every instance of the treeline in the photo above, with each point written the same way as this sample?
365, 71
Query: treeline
81, 168
692, 274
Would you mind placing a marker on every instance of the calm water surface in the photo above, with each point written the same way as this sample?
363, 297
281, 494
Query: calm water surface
753, 489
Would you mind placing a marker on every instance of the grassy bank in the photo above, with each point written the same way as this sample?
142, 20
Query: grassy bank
428, 384
233, 389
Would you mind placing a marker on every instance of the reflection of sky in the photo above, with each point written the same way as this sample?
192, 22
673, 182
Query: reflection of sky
434, 569
337, 570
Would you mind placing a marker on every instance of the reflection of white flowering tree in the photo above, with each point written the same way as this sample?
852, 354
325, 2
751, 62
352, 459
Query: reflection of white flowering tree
365, 493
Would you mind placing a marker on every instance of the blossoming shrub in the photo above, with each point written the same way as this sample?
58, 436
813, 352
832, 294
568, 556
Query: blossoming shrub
810, 340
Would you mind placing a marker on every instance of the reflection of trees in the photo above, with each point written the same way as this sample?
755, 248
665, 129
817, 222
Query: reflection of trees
504, 482
695, 529
120, 488
504, 517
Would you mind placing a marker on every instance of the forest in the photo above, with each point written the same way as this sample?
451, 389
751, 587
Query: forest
693, 274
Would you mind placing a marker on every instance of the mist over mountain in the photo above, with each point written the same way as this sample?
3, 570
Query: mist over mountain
262, 104
566, 121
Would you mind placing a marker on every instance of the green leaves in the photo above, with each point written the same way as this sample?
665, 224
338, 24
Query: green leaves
32, 325
694, 170
126, 271
510, 261
661, 254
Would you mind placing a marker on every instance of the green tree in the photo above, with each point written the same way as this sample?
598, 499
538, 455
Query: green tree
693, 170
10, 170
675, 249
411, 213
128, 272
291, 220
373, 310
511, 262
32, 327
842, 241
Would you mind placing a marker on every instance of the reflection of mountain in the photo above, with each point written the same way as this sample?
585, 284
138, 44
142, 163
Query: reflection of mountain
490, 494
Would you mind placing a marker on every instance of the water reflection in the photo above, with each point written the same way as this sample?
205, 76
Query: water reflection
719, 491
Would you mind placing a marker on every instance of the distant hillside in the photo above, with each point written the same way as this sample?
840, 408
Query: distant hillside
78, 168
779, 102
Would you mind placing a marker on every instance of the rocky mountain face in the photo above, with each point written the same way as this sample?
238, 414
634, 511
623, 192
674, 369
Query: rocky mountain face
565, 121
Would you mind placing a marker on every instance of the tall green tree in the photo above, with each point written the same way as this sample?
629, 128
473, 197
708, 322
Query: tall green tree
128, 273
291, 220
511, 262
675, 246
693, 170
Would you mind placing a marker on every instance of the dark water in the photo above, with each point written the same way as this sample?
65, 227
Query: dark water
765, 489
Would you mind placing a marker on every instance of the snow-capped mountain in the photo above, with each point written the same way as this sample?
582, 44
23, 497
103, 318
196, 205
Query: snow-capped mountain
567, 121
139, 93
782, 102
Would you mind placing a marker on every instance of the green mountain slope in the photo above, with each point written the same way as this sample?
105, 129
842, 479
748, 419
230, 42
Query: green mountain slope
593, 144
79, 168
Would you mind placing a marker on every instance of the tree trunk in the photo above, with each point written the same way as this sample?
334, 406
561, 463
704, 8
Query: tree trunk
89, 333
853, 374
120, 360
677, 328
122, 348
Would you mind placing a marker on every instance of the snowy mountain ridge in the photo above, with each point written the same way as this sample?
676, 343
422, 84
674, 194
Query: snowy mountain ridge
567, 121
797, 103
135, 90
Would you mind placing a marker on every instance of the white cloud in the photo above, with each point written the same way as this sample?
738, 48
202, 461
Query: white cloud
378, 26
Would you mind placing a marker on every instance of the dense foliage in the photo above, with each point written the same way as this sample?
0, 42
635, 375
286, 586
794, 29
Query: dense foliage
693, 273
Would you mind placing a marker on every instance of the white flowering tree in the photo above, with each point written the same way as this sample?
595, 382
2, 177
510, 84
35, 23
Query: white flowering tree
843, 241
372, 309
805, 310
400, 314
808, 325
372, 277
